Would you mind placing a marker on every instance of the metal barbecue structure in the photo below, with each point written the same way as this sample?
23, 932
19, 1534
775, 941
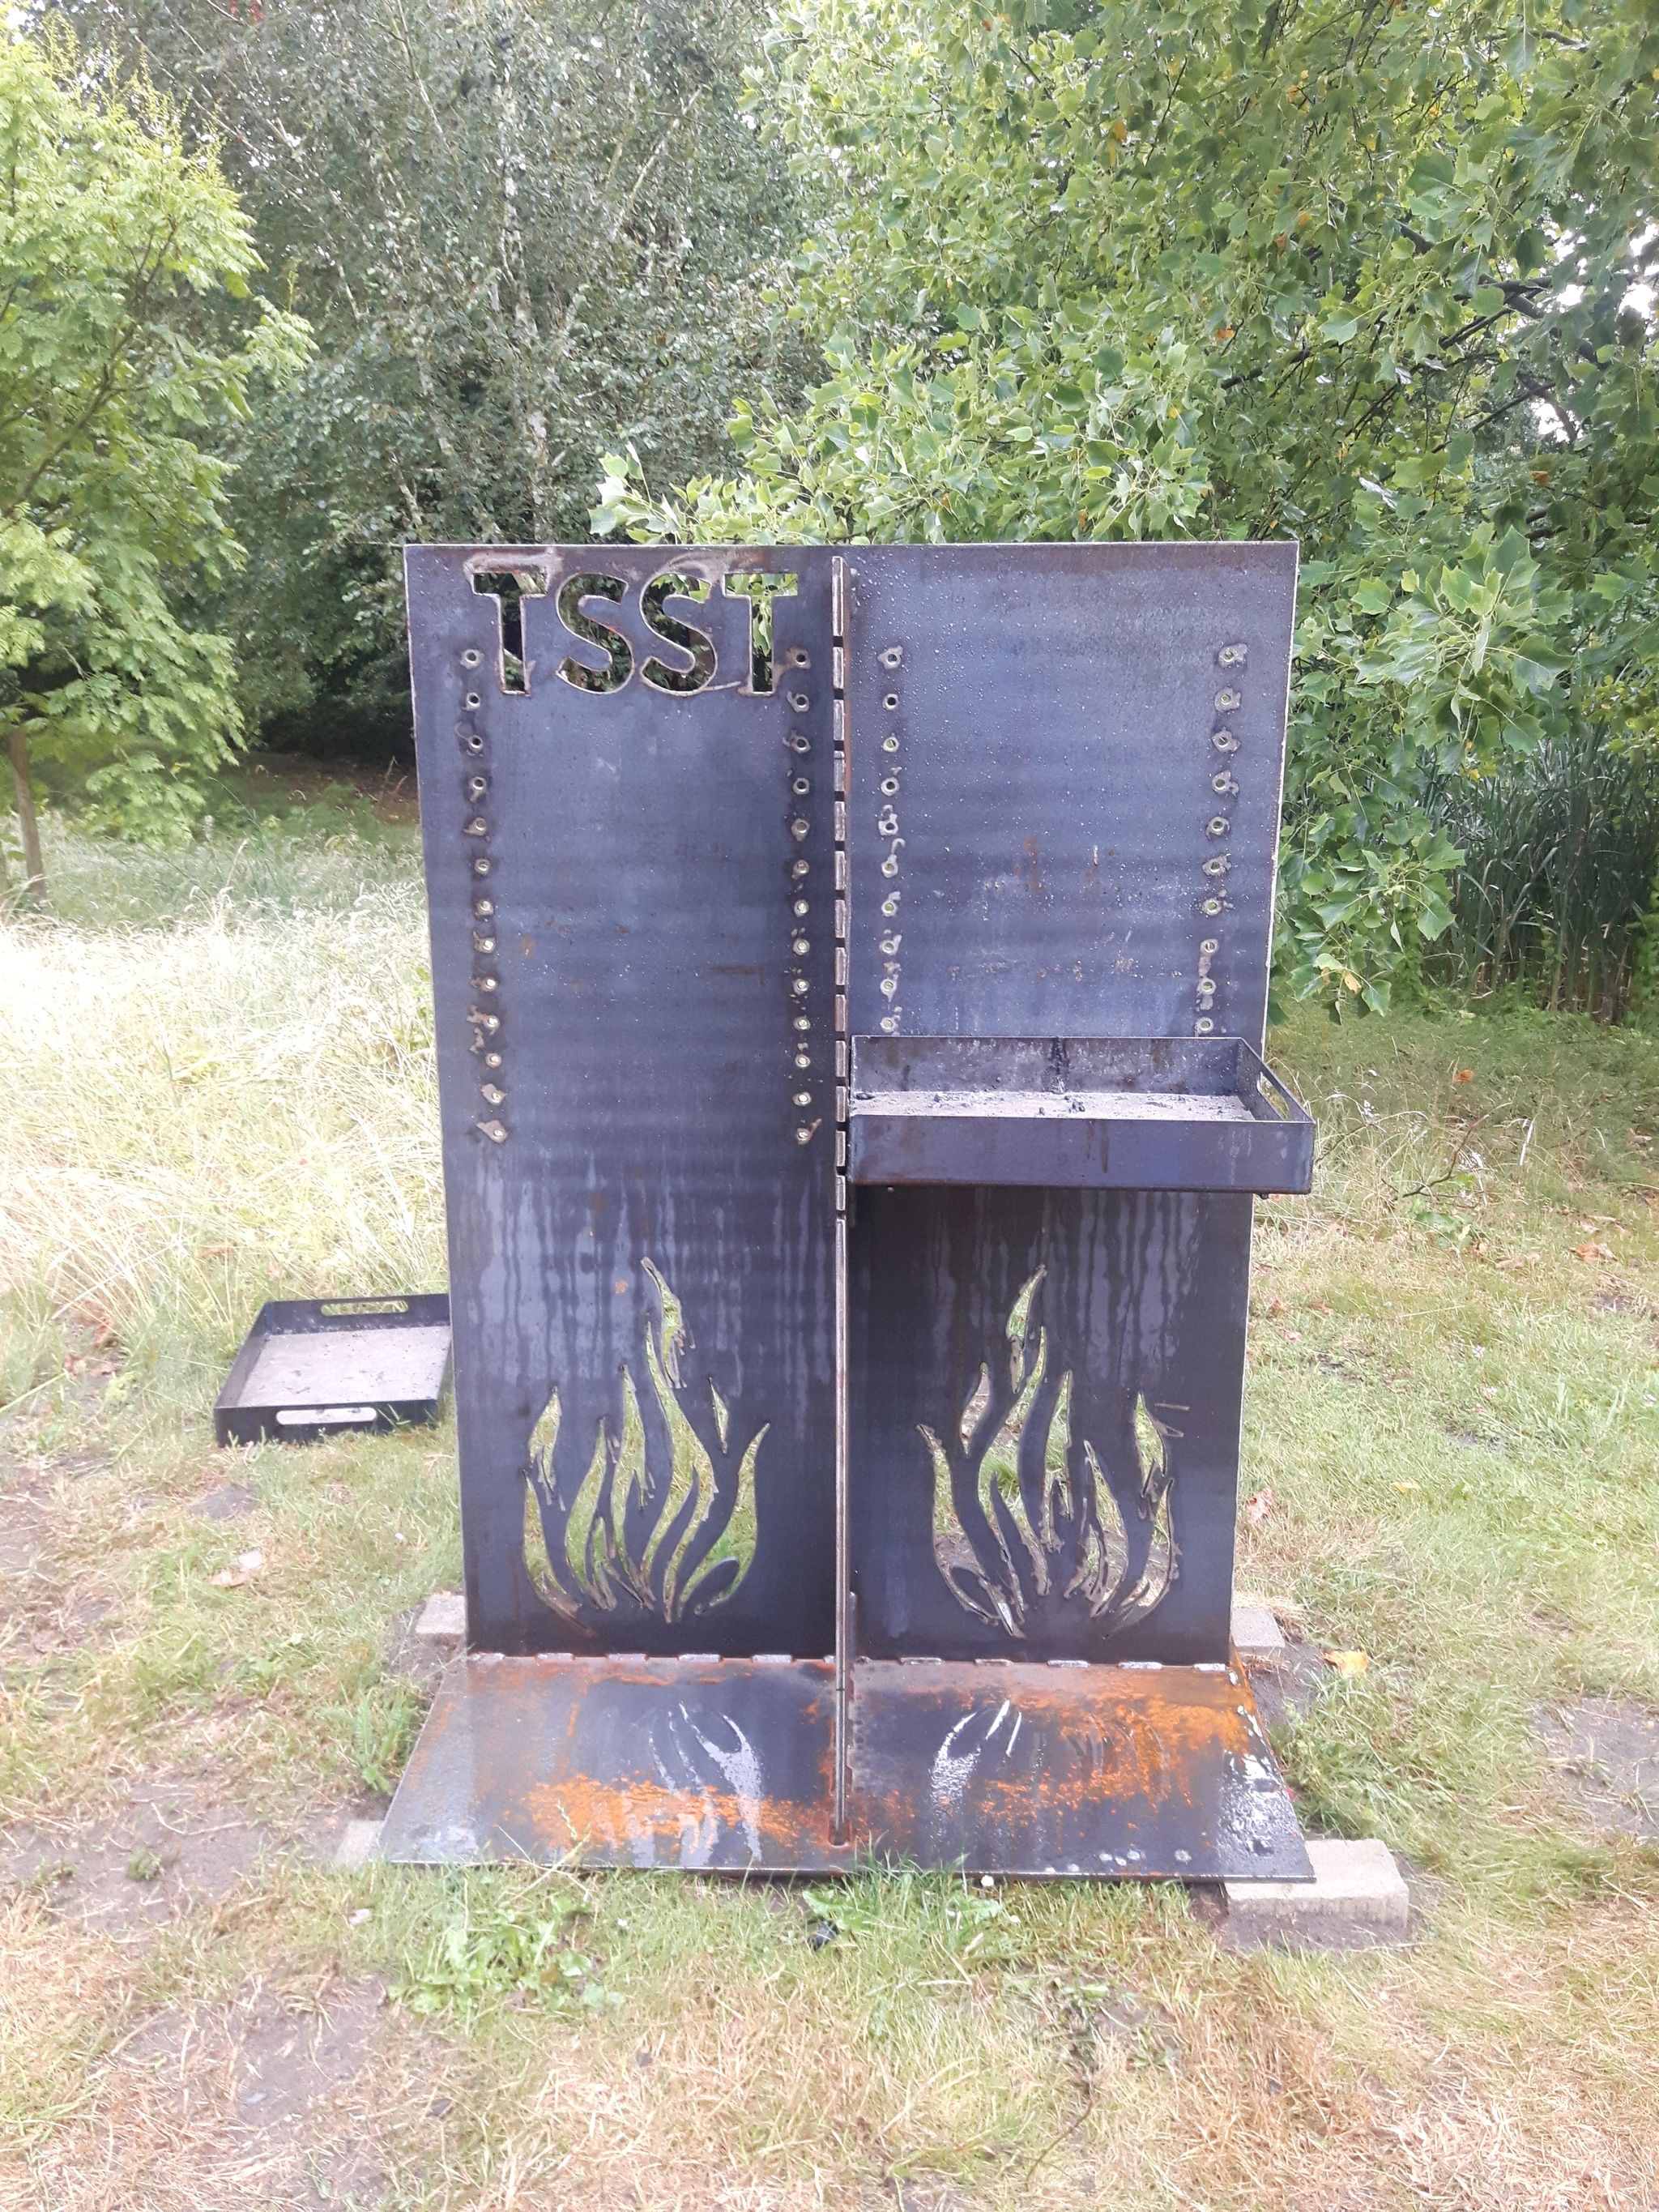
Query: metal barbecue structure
850, 970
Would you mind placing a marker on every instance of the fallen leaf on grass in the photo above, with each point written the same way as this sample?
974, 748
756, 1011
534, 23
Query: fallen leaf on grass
1592, 1252
1520, 1260
249, 1564
1464, 1075
1257, 1508
1348, 1663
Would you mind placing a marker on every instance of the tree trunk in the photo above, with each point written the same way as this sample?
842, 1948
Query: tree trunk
34, 874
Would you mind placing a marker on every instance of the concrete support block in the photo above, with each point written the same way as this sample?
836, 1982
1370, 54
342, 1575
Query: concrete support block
1355, 1885
358, 1845
443, 1618
1256, 1634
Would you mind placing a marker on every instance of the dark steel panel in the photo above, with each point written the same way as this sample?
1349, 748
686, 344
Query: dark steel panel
1116, 1113
1071, 1771
643, 1762
1056, 746
640, 1240
1065, 767
1047, 1393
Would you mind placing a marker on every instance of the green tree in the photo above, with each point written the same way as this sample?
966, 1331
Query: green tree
110, 238
1378, 276
522, 232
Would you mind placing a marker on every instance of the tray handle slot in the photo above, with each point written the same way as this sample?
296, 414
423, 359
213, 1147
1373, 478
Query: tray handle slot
337, 1309
1280, 1101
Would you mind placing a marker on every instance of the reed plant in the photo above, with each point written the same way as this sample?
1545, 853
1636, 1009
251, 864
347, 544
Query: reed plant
1557, 901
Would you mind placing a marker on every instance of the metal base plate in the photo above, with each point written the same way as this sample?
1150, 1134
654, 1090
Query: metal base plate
1117, 1772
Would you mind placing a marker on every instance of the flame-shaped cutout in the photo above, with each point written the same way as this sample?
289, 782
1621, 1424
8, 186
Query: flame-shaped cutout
661, 1524
1030, 1529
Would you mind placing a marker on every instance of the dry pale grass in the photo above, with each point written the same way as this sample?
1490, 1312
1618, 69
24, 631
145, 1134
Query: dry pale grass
222, 1108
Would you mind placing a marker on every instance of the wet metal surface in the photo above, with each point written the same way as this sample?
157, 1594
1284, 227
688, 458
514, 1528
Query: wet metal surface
725, 1765
644, 1763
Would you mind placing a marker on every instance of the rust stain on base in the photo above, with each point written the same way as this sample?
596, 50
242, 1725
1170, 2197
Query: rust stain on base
727, 1764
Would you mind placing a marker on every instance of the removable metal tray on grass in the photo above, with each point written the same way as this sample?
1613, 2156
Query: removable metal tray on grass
313, 1367
1077, 1113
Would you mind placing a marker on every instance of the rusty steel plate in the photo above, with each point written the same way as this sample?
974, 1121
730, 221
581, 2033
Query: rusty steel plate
1070, 1770
725, 1765
714, 1763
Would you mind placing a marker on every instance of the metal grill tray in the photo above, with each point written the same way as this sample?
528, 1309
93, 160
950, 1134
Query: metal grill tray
312, 1367
1077, 1113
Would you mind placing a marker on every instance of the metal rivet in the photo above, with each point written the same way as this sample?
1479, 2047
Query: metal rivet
481, 906
481, 866
1211, 945
1217, 825
491, 1096
803, 1059
800, 987
890, 700
473, 700
800, 701
890, 745
471, 656
797, 829
803, 1136
801, 1022
889, 1022
1223, 741
801, 906
892, 657
800, 787
801, 948
1226, 700
803, 1098
476, 786
800, 744
494, 1131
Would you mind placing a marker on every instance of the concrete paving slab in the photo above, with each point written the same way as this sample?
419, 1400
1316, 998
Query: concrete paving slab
1355, 1883
361, 1840
1255, 1632
443, 1618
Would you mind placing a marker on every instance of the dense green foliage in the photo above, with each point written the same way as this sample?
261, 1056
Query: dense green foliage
111, 240
522, 232
1377, 276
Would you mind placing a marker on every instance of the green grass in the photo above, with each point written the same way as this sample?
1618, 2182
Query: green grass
215, 1084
